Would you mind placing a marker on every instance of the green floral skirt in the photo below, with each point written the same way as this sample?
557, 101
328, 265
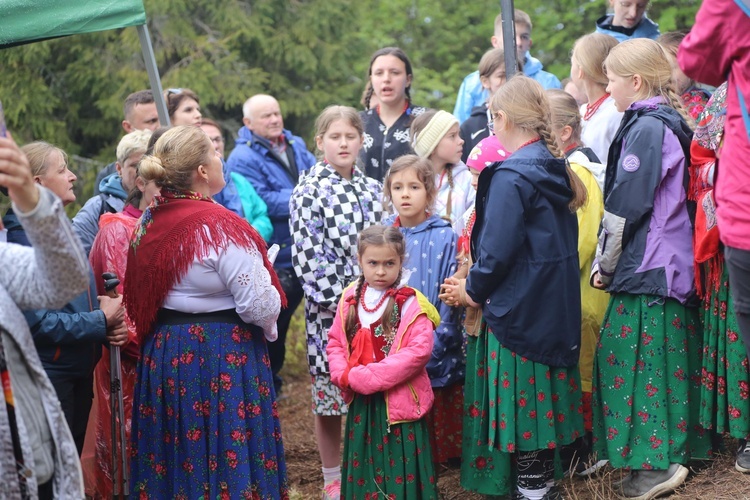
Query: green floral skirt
484, 469
513, 404
725, 385
647, 384
383, 463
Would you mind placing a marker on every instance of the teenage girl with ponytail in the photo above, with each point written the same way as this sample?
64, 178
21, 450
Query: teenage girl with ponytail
646, 387
525, 278
436, 136
378, 348
387, 123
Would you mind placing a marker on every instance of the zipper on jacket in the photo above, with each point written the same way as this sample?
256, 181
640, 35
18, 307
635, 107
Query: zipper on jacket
411, 388
416, 398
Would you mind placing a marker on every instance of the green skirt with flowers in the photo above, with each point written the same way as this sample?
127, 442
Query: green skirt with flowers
392, 463
646, 390
484, 468
725, 384
513, 404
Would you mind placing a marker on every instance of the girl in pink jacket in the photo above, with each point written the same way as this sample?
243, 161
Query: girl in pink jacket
378, 347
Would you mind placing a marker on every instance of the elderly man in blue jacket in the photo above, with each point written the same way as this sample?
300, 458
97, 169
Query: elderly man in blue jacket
272, 158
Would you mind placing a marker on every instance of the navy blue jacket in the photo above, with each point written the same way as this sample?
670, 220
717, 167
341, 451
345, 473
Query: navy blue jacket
525, 250
253, 158
68, 340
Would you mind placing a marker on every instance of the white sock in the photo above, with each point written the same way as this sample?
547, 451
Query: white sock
534, 494
332, 474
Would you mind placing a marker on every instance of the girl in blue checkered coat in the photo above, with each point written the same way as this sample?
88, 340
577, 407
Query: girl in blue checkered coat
330, 206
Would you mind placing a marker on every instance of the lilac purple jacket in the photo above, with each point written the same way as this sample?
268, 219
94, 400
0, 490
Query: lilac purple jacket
401, 375
645, 242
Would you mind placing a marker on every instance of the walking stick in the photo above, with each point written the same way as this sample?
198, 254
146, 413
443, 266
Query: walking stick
116, 405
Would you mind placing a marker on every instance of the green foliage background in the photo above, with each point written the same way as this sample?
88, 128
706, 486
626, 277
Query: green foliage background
308, 53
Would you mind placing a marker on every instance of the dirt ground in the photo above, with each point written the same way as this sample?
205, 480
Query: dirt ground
716, 480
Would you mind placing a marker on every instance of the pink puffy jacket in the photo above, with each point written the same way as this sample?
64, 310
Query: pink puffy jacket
718, 47
401, 375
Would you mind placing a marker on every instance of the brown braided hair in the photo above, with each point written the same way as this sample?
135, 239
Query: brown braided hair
525, 104
375, 236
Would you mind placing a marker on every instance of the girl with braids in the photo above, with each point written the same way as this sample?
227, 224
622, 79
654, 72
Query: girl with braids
331, 205
646, 388
524, 247
378, 347
430, 258
436, 136
566, 124
387, 123
600, 117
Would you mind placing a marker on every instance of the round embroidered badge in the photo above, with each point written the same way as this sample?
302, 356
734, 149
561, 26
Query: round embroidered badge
631, 163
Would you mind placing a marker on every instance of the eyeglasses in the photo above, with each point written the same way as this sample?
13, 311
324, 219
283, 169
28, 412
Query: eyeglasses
491, 117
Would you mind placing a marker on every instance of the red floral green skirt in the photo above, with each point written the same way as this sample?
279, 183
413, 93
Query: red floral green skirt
444, 422
383, 463
725, 384
532, 406
647, 384
484, 469
513, 404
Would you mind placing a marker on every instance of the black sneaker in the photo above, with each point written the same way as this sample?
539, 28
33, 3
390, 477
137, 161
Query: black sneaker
742, 463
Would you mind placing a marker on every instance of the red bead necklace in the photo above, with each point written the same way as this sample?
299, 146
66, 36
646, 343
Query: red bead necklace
532, 141
592, 108
377, 306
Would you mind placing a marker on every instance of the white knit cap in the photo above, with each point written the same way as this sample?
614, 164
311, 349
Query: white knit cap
427, 140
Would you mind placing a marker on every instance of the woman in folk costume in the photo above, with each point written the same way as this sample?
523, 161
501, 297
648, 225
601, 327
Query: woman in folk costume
204, 300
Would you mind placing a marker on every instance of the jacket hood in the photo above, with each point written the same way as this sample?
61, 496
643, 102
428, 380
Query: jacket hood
597, 169
112, 185
645, 29
656, 107
480, 110
531, 65
549, 176
433, 221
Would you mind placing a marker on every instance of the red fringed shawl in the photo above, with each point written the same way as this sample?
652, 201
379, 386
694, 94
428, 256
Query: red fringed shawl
176, 230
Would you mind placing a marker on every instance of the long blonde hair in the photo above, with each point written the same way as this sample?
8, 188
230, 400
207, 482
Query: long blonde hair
589, 53
648, 59
525, 104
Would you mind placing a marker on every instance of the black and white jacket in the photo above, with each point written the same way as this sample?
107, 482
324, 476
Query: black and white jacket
327, 213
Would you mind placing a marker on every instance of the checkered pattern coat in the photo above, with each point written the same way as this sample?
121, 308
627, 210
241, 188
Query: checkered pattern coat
327, 212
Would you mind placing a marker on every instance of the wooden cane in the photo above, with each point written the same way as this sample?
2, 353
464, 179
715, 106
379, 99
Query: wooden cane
116, 404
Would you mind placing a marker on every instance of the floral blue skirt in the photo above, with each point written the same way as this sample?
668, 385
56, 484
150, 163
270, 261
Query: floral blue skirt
205, 422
